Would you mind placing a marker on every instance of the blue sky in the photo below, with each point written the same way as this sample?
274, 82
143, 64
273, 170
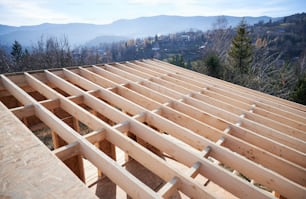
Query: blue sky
33, 12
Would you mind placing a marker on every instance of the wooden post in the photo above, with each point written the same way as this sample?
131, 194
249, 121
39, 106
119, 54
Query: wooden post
57, 140
107, 147
76, 125
74, 163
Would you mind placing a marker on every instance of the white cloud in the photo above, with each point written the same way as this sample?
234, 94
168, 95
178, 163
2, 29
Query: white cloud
29, 12
158, 2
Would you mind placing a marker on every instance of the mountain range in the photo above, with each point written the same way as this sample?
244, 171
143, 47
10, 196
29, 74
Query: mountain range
82, 33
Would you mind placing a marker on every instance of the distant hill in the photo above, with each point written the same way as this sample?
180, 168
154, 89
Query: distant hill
81, 33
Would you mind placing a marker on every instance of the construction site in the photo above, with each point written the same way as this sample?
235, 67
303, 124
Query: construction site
146, 129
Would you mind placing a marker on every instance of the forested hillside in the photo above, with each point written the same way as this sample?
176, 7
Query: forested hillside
82, 33
276, 54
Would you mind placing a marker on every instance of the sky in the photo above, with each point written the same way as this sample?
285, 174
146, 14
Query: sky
34, 12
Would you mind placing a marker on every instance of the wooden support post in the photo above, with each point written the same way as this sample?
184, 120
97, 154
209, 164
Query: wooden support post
75, 163
133, 137
57, 140
105, 146
109, 149
76, 125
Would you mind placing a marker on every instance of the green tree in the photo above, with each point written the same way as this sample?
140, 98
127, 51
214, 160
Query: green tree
240, 53
299, 93
213, 65
16, 53
26, 60
177, 60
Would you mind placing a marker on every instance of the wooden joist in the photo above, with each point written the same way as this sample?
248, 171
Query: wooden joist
187, 116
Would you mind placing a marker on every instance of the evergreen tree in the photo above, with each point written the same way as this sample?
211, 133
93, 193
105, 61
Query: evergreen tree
299, 93
240, 53
16, 53
213, 65
26, 60
177, 60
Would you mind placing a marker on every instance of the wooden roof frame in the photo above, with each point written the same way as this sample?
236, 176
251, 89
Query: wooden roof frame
187, 115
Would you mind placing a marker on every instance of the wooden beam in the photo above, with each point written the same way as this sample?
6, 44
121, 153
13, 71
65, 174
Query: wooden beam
194, 116
121, 73
88, 83
241, 133
289, 130
13, 89
151, 67
148, 93
95, 136
143, 69
186, 85
268, 146
266, 104
115, 172
137, 98
136, 151
24, 111
108, 96
98, 79
231, 106
255, 127
139, 130
131, 70
108, 75
68, 151
171, 85
161, 89
230, 86
140, 156
197, 141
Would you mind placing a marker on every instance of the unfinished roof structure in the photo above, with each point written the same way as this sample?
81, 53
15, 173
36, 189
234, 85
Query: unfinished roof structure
188, 129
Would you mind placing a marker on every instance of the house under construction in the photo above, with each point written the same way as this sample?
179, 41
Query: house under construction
146, 129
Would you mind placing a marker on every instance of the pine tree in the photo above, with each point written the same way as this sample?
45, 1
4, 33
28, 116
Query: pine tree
213, 65
178, 60
299, 93
16, 53
240, 53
